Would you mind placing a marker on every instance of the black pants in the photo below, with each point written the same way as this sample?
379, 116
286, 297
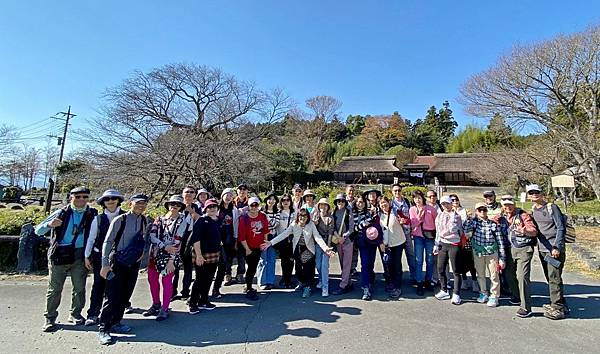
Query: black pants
99, 286
204, 277
394, 265
286, 255
221, 270
449, 253
230, 254
386, 269
251, 263
466, 263
304, 271
186, 264
118, 293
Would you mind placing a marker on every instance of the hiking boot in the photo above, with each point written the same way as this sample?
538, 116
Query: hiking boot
152, 311
366, 294
420, 291
104, 338
228, 280
162, 315
92, 320
208, 306
521, 312
442, 295
251, 295
456, 300
216, 294
77, 320
492, 302
120, 328
306, 292
49, 325
194, 310
483, 298
429, 285
554, 314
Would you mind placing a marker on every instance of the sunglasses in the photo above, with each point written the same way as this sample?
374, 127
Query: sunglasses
488, 195
533, 192
111, 198
454, 200
507, 199
81, 196
254, 205
483, 210
286, 200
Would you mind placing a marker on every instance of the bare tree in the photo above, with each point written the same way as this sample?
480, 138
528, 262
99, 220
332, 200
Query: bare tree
555, 84
324, 107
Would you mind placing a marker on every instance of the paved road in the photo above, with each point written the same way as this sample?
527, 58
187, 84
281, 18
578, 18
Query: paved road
281, 321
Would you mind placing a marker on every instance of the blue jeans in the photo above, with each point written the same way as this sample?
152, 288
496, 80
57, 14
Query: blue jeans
322, 262
265, 272
423, 244
367, 264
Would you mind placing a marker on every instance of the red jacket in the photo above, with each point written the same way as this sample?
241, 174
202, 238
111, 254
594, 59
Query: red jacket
253, 230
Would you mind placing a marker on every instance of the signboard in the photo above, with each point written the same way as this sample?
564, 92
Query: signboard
416, 174
523, 198
563, 181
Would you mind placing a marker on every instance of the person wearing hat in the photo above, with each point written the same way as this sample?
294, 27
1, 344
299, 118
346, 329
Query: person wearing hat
551, 230
372, 197
343, 222
308, 198
202, 196
110, 201
69, 229
494, 208
488, 253
297, 201
521, 234
265, 272
448, 226
206, 241
166, 234
126, 243
253, 232
229, 216
241, 200
325, 226
305, 236
286, 253
191, 213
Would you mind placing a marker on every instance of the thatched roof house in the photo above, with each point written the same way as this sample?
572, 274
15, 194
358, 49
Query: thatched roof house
378, 169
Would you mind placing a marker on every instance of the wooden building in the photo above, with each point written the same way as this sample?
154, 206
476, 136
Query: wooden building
362, 169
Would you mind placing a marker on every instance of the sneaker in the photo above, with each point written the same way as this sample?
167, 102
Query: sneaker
306, 292
366, 294
389, 287
152, 310
340, 291
240, 278
521, 312
492, 302
324, 292
555, 314
193, 310
162, 315
129, 309
476, 287
514, 301
266, 287
120, 328
429, 285
49, 325
104, 338
77, 320
395, 293
208, 306
456, 300
319, 285
92, 320
228, 281
442, 295
217, 294
299, 287
185, 296
251, 295
483, 298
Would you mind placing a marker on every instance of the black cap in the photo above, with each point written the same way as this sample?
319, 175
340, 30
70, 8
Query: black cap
138, 198
296, 186
242, 185
80, 190
489, 193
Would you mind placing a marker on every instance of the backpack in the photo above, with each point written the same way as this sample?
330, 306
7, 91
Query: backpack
570, 235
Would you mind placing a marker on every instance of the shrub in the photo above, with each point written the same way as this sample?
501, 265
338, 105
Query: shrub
12, 220
407, 191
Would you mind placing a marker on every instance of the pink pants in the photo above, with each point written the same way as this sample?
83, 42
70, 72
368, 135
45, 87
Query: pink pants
345, 251
167, 284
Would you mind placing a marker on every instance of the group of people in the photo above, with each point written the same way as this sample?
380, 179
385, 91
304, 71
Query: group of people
204, 235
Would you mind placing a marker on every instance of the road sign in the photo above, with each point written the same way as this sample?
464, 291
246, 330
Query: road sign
563, 181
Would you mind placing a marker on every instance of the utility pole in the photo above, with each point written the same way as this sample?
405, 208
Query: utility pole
64, 116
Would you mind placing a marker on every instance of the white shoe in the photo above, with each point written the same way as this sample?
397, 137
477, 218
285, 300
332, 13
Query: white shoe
442, 295
319, 285
456, 300
325, 292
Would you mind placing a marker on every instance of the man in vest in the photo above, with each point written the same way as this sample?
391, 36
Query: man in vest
69, 229
110, 201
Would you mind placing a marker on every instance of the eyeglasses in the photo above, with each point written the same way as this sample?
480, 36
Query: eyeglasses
482, 210
507, 199
189, 192
254, 205
81, 196
533, 192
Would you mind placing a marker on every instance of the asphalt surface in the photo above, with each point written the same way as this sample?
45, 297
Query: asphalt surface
281, 321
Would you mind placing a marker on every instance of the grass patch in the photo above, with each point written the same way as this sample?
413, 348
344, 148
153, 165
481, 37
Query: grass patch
575, 264
585, 208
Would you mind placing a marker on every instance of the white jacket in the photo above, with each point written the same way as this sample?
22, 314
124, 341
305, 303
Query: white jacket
311, 235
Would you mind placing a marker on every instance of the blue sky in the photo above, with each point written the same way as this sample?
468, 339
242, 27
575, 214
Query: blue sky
377, 57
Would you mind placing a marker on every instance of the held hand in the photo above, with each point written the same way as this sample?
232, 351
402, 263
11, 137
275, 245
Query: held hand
382, 247
56, 222
330, 253
172, 249
170, 266
88, 264
555, 253
502, 264
200, 260
104, 271
248, 251
435, 251
265, 245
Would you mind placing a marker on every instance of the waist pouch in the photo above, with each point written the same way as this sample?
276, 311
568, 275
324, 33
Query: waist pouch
129, 255
62, 254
